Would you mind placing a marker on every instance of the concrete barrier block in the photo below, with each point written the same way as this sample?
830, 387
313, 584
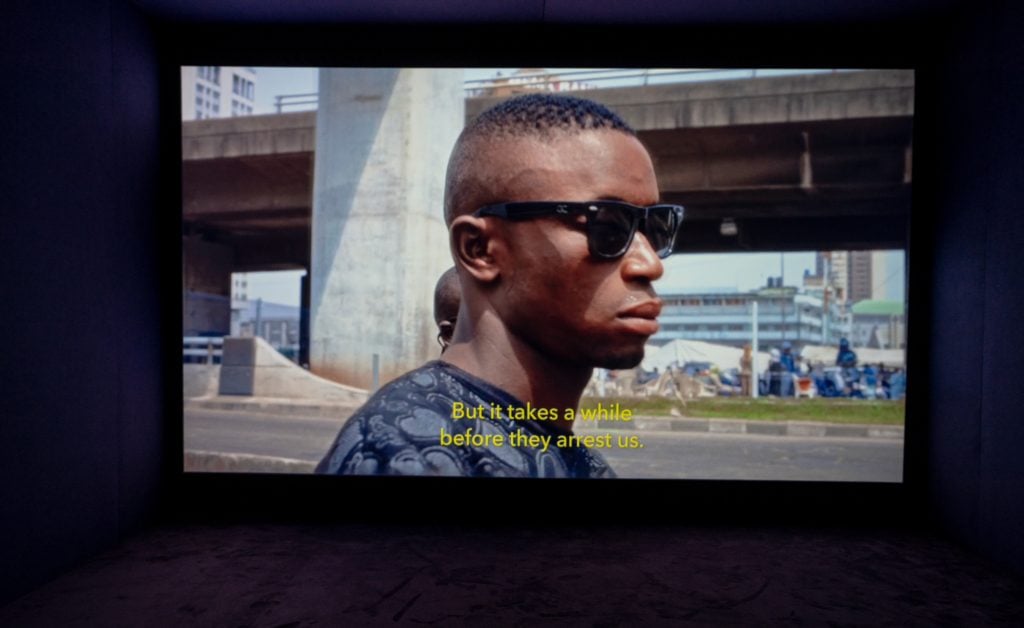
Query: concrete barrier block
239, 352
237, 380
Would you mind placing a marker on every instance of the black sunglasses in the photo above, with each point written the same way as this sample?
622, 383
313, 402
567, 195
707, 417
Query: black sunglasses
610, 225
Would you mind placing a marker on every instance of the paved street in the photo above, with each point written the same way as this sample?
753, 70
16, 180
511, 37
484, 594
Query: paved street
754, 457
285, 436
665, 454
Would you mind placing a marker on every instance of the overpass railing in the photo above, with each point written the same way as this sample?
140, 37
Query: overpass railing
576, 80
295, 101
202, 349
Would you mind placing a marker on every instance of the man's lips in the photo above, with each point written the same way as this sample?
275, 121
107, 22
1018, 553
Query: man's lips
646, 309
642, 317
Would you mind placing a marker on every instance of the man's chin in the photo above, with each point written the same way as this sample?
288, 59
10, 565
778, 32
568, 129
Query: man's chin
621, 361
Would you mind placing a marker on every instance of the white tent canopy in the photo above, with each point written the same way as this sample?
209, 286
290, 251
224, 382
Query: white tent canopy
683, 351
825, 354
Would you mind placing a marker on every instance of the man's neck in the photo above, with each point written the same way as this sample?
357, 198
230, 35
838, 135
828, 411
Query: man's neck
520, 370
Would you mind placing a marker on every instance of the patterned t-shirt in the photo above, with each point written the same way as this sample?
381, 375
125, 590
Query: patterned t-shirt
398, 432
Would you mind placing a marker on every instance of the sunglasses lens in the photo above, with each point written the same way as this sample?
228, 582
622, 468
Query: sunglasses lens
610, 230
661, 228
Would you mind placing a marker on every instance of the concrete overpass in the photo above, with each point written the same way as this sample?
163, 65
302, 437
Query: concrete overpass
799, 162
247, 183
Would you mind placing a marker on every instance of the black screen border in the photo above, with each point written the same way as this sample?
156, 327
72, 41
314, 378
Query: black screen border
867, 45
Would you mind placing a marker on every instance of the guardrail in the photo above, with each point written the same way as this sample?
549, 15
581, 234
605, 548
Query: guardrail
202, 349
578, 80
295, 100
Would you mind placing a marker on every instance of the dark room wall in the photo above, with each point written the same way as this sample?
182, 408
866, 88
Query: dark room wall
976, 438
81, 423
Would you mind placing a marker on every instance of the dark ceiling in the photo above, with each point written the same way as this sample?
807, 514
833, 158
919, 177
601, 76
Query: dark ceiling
550, 11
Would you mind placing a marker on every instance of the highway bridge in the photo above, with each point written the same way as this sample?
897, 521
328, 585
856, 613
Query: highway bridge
799, 162
814, 161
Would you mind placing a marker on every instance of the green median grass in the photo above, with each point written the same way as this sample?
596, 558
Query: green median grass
871, 412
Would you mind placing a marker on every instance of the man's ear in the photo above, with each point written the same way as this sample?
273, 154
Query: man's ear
474, 241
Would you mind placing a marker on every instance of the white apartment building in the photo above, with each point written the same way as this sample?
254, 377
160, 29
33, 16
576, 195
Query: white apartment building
726, 317
217, 91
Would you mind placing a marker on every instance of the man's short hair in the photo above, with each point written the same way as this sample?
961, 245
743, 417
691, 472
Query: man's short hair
533, 115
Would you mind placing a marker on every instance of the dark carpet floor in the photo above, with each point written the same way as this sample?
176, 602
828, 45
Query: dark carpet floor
364, 575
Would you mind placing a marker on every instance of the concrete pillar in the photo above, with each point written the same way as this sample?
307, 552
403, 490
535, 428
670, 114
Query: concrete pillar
383, 137
206, 281
304, 321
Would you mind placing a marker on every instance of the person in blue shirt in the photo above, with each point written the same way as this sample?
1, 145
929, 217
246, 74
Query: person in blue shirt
787, 358
788, 361
870, 382
847, 359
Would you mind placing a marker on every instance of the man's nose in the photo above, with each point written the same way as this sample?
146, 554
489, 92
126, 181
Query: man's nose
640, 261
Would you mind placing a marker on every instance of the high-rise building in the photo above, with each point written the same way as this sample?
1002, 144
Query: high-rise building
855, 276
215, 91
860, 276
821, 263
840, 275
887, 280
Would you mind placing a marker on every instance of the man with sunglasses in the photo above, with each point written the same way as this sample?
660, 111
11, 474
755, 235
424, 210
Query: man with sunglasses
552, 208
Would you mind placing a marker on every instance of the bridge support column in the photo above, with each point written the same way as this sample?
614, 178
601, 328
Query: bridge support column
206, 279
383, 137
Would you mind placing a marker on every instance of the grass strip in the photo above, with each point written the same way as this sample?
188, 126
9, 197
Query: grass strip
862, 411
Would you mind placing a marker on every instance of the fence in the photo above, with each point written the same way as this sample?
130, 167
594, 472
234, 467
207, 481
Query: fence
202, 349
575, 80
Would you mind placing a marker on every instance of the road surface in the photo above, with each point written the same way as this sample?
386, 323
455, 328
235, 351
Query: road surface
690, 455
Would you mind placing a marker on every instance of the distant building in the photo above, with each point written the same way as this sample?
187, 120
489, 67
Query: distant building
813, 282
725, 317
887, 276
215, 91
839, 271
239, 286
854, 276
526, 81
832, 271
860, 286
879, 324
276, 323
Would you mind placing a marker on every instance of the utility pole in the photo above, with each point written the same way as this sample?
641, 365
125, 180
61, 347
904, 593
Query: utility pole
259, 317
782, 285
826, 314
755, 375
